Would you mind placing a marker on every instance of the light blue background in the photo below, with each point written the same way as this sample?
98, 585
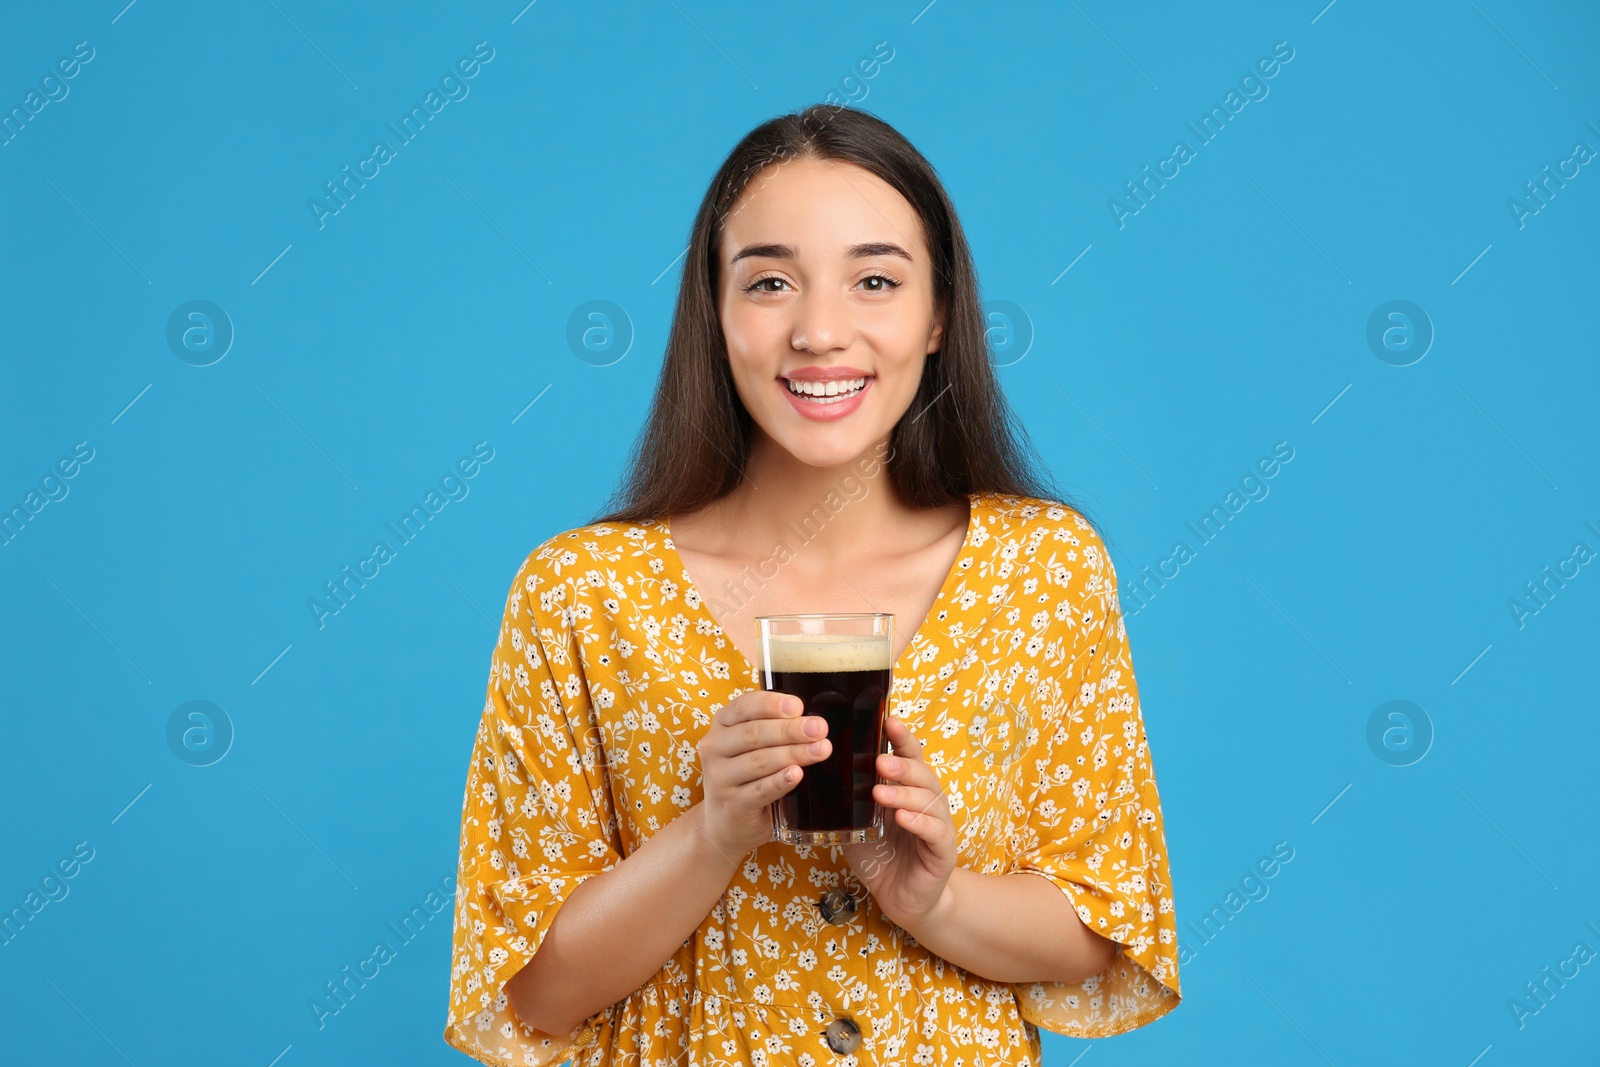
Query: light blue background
1226, 316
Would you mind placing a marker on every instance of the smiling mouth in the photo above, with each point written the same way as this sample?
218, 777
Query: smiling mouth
827, 392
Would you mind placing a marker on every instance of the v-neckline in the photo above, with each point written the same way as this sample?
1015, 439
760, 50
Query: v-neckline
940, 602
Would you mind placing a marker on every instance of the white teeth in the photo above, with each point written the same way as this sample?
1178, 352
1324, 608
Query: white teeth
827, 392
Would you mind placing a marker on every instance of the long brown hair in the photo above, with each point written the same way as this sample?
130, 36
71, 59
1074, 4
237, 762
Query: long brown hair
958, 436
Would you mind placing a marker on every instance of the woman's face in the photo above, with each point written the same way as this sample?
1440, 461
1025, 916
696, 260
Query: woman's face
825, 278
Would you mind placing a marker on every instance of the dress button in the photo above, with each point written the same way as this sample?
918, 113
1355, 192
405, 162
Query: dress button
843, 1036
837, 907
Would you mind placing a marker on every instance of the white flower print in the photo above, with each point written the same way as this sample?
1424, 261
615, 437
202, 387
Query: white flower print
630, 665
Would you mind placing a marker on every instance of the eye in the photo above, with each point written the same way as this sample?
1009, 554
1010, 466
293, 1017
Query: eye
755, 286
888, 283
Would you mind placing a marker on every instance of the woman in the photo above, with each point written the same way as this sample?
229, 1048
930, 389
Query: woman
827, 435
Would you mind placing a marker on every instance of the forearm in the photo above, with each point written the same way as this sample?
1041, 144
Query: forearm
616, 929
1017, 927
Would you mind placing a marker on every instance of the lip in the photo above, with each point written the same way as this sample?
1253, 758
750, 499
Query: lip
824, 374
827, 412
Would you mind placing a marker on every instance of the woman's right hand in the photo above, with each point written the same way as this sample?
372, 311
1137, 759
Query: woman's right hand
754, 753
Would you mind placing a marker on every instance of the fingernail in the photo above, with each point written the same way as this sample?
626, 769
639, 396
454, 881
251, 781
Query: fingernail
791, 706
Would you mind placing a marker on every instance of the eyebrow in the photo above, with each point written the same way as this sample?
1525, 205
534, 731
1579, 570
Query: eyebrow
859, 251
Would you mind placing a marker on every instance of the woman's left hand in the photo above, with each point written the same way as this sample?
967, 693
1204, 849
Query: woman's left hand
906, 870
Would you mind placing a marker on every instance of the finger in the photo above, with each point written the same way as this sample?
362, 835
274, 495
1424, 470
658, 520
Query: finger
762, 762
901, 738
938, 832
758, 704
904, 771
788, 739
906, 764
770, 787
764, 732
929, 820
917, 801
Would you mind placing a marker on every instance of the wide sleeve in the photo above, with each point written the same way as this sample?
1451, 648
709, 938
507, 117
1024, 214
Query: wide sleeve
1093, 821
536, 822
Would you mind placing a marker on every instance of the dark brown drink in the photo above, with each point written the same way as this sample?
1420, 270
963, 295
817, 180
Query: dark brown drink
846, 682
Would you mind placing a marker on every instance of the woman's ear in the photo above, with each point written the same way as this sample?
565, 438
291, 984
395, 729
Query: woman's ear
936, 334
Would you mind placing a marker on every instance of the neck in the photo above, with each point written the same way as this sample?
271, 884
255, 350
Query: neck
829, 513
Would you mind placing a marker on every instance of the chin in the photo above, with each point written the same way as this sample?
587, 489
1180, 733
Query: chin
835, 452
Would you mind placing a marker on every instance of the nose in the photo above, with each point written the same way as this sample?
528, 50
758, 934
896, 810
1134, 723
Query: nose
821, 322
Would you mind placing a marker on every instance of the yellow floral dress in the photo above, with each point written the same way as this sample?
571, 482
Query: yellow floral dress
1020, 686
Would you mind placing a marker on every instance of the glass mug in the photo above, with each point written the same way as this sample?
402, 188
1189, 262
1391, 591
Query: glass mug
841, 668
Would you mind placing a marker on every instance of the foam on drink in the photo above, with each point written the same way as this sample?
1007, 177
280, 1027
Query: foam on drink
816, 653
